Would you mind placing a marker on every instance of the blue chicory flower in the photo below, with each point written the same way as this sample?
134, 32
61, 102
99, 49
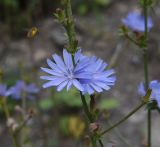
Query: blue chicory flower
65, 73
135, 21
4, 92
155, 87
21, 87
100, 78
85, 73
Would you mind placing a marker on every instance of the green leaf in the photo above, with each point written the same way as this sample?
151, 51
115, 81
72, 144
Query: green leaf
103, 2
108, 104
71, 98
46, 104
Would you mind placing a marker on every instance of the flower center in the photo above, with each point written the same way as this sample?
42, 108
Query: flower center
71, 76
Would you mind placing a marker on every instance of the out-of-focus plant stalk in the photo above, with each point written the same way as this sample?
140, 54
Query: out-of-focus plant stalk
7, 114
145, 54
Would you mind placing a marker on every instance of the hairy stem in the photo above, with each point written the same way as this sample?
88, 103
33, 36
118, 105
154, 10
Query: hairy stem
69, 26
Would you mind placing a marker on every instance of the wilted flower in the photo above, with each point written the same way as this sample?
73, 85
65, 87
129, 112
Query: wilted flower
135, 21
87, 74
155, 87
4, 91
21, 87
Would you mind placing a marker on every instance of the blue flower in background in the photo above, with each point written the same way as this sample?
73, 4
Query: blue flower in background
87, 74
4, 92
21, 87
155, 87
135, 21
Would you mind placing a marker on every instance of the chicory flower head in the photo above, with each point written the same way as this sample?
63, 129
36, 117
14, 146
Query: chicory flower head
4, 92
21, 87
85, 73
100, 78
135, 21
155, 87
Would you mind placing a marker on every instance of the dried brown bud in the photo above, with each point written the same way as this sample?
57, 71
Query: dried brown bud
94, 127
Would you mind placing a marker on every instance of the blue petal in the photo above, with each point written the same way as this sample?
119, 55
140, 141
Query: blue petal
53, 66
61, 86
110, 79
82, 65
153, 84
78, 85
89, 89
47, 77
54, 82
103, 66
97, 88
83, 75
51, 71
59, 62
102, 85
69, 85
77, 56
109, 72
68, 59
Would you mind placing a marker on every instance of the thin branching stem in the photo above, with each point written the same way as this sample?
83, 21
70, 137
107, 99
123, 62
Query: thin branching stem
123, 119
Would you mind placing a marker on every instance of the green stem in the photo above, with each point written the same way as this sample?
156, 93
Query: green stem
101, 143
131, 39
149, 127
7, 114
91, 120
70, 27
123, 119
86, 109
146, 66
119, 135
